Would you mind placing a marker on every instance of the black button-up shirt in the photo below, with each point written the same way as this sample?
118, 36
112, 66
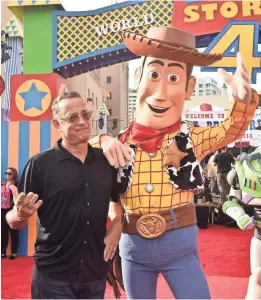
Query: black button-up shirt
72, 219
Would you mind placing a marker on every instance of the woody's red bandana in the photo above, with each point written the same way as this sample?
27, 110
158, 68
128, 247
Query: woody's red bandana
148, 139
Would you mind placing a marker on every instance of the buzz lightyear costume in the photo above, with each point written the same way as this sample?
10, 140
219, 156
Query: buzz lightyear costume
245, 182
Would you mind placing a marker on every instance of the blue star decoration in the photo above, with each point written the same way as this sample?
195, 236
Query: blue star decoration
33, 98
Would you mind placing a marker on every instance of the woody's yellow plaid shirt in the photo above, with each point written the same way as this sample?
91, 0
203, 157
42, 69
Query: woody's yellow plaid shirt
148, 170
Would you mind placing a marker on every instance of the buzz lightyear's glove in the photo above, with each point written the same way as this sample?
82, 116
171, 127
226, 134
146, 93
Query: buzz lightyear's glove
236, 212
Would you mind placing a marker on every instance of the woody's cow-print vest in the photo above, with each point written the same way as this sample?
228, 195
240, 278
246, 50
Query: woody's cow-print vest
188, 177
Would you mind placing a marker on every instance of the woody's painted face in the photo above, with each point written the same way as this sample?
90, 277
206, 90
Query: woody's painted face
162, 92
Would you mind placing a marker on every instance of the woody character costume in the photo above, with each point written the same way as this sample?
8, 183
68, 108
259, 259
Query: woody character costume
157, 185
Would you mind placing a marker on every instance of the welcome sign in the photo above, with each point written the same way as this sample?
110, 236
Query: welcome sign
212, 118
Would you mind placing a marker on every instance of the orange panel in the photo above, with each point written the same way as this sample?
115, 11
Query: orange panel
13, 145
31, 234
34, 145
55, 135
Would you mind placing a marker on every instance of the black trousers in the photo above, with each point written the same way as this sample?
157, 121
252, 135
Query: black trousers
46, 288
5, 229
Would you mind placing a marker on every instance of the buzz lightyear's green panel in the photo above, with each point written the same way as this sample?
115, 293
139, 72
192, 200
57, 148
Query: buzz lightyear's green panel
249, 181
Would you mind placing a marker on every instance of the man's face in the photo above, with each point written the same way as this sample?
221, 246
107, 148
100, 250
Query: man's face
73, 120
162, 92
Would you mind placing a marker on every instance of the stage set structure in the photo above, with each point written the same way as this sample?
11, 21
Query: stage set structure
58, 45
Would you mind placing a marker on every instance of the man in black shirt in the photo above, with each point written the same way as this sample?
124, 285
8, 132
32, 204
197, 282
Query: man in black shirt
223, 162
75, 184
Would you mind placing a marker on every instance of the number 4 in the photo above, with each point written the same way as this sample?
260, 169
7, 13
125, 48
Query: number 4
237, 36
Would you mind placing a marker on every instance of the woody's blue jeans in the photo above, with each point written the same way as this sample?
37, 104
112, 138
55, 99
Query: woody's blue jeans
174, 255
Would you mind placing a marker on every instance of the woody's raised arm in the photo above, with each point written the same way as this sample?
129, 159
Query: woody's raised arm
209, 139
245, 101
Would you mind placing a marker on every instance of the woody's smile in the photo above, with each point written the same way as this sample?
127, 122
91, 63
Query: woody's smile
158, 110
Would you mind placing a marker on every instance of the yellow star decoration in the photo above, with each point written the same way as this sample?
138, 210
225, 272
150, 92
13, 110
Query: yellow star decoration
172, 156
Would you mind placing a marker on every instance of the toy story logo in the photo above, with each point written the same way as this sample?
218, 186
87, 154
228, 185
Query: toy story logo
235, 26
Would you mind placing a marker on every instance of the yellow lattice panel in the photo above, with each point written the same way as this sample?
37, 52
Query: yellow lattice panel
80, 35
32, 2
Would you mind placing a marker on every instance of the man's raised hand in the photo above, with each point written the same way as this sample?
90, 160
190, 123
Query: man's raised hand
25, 205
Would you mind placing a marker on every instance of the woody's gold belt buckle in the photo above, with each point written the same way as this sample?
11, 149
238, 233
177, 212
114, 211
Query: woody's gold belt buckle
151, 226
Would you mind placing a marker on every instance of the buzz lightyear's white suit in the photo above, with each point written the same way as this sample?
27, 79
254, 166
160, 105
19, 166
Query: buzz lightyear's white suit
245, 181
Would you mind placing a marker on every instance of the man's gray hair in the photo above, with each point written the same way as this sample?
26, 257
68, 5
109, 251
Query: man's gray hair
65, 95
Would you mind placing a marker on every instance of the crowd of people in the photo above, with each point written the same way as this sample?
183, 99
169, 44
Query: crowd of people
215, 170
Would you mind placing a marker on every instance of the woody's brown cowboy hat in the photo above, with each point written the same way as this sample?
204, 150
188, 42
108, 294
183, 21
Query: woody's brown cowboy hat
169, 43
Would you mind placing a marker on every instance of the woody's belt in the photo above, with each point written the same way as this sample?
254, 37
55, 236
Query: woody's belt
153, 225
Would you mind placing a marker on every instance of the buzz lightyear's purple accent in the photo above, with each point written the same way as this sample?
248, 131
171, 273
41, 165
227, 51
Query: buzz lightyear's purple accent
247, 198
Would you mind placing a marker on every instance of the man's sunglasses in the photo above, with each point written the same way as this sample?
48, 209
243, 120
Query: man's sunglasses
75, 118
8, 173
